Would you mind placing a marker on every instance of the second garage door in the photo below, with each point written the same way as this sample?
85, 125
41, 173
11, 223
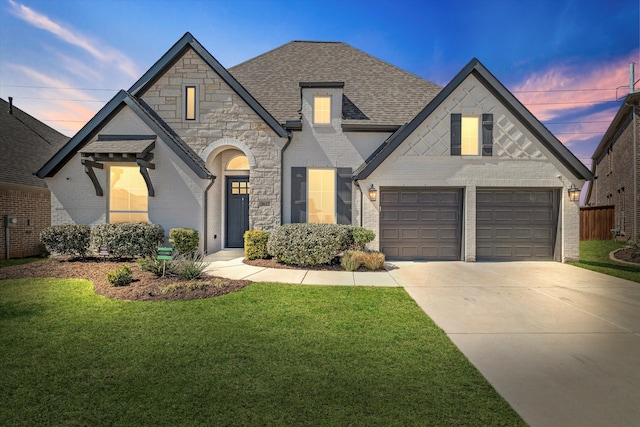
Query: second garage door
516, 225
420, 223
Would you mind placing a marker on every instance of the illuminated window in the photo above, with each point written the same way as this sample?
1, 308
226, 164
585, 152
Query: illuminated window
238, 163
239, 187
322, 110
322, 196
190, 103
128, 195
470, 136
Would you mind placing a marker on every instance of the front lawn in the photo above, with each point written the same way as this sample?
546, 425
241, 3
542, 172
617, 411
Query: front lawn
594, 255
270, 354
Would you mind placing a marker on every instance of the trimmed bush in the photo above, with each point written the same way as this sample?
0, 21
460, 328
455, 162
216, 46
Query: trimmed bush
361, 236
120, 277
128, 239
71, 239
184, 240
349, 261
255, 244
308, 244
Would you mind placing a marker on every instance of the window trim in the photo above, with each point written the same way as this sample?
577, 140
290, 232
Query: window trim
186, 103
314, 109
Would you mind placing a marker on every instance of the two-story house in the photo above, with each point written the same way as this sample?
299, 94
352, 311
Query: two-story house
323, 132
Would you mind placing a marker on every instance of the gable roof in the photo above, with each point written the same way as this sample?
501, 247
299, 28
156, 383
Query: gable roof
146, 114
383, 94
508, 100
610, 135
177, 50
26, 144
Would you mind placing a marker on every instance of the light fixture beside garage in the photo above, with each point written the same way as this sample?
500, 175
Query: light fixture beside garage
373, 193
574, 193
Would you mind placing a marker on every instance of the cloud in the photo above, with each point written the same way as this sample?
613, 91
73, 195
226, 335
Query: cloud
550, 93
102, 53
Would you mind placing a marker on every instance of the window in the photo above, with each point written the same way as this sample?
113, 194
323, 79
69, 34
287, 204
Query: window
239, 187
322, 110
238, 163
469, 135
322, 196
190, 103
128, 195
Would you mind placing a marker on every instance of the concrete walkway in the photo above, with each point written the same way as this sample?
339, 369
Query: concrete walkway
228, 263
561, 344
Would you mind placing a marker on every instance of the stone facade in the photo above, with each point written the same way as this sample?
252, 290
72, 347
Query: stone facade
615, 181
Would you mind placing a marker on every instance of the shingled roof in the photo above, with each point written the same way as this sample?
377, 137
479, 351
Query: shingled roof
26, 144
383, 94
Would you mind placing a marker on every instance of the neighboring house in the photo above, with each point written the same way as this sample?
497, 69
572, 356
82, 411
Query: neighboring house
616, 168
323, 132
25, 145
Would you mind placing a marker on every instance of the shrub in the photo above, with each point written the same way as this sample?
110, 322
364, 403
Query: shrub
155, 266
349, 261
184, 240
189, 267
361, 236
120, 277
352, 260
255, 244
71, 239
308, 244
128, 239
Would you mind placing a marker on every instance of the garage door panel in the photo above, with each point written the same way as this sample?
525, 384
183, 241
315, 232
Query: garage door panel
515, 224
427, 222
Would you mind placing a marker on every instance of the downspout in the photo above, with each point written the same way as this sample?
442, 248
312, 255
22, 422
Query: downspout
205, 213
289, 137
357, 183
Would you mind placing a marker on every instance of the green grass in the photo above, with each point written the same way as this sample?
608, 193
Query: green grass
594, 255
17, 261
270, 354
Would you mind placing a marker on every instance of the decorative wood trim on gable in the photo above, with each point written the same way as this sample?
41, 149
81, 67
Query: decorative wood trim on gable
120, 148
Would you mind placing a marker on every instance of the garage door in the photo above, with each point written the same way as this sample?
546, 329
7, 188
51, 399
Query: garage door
420, 224
515, 225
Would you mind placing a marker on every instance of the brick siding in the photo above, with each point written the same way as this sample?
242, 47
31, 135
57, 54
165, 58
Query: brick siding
32, 207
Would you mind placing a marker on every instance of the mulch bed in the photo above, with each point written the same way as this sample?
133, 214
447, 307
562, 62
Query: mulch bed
629, 255
274, 263
145, 287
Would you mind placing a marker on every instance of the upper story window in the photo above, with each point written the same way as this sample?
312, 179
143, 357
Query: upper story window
470, 136
190, 102
128, 195
238, 163
322, 109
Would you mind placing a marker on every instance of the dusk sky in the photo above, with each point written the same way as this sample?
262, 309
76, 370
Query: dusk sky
567, 61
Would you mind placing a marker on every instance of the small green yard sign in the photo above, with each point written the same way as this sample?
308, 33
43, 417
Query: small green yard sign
165, 254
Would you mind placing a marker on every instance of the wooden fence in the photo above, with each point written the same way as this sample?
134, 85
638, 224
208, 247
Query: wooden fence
596, 222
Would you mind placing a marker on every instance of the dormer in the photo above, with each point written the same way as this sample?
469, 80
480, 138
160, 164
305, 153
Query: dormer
322, 104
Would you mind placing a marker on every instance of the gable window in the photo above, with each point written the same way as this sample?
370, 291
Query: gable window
322, 109
190, 102
321, 195
128, 195
471, 135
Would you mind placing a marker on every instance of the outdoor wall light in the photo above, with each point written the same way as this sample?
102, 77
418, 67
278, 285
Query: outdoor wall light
574, 193
373, 193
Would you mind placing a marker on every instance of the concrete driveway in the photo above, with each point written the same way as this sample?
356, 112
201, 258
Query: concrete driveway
561, 344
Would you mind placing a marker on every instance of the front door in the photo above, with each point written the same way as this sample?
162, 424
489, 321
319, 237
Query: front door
237, 210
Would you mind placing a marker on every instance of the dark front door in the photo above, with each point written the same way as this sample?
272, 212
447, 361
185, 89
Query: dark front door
237, 210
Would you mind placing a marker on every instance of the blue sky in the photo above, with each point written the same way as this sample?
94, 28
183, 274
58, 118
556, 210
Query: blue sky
566, 60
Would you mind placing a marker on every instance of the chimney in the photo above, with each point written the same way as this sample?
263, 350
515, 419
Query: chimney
631, 78
11, 105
